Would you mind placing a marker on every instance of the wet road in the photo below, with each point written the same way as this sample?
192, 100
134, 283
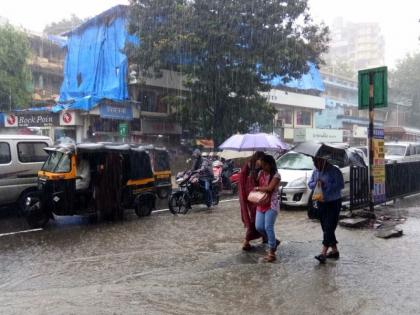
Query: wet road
193, 264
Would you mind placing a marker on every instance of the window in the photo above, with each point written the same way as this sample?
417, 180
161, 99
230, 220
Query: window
57, 162
32, 152
148, 101
304, 118
286, 115
5, 156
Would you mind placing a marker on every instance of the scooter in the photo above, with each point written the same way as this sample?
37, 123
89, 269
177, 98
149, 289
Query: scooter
227, 176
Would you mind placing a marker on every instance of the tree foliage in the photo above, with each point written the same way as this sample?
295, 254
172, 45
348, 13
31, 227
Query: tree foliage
15, 78
406, 80
228, 51
65, 25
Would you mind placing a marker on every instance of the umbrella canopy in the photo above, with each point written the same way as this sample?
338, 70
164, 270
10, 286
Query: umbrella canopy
254, 142
231, 155
335, 154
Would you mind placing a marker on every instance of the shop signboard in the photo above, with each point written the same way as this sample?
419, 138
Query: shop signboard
321, 135
378, 169
30, 120
116, 112
70, 118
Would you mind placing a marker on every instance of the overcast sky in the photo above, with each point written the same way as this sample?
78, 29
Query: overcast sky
398, 19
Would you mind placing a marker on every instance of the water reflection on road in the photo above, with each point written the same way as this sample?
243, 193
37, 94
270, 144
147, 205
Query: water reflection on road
193, 264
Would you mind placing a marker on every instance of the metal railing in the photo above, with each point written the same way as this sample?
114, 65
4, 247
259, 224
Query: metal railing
402, 179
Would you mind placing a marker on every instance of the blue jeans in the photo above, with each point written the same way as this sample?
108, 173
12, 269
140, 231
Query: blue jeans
264, 223
206, 183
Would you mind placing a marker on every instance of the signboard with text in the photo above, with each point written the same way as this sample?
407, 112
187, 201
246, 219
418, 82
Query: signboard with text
321, 135
30, 120
378, 166
116, 112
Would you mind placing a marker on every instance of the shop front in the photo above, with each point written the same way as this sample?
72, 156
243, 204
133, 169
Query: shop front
114, 122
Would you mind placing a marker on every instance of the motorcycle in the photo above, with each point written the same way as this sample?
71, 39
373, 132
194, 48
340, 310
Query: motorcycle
227, 176
191, 192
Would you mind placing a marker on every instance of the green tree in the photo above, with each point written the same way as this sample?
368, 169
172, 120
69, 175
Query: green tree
406, 79
65, 25
228, 51
15, 77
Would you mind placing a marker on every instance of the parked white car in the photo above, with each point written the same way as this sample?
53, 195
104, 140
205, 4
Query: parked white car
402, 152
296, 170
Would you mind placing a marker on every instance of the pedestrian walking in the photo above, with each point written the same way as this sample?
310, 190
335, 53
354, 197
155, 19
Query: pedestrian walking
247, 182
327, 183
268, 182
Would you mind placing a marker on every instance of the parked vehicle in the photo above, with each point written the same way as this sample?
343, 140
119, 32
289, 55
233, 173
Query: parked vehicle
161, 167
121, 177
21, 157
402, 152
226, 175
296, 170
190, 192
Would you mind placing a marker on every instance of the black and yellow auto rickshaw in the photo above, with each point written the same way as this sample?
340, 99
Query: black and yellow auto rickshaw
161, 167
94, 179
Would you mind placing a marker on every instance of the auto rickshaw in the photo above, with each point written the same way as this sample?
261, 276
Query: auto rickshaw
161, 169
119, 177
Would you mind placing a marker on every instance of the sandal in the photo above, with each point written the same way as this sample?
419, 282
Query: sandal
271, 256
247, 247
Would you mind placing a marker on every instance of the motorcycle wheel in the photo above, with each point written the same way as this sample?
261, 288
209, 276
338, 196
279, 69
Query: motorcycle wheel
178, 204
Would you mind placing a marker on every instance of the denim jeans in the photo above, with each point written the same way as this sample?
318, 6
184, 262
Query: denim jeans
329, 213
206, 183
264, 224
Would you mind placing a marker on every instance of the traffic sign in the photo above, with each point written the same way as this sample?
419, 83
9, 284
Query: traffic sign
123, 130
373, 81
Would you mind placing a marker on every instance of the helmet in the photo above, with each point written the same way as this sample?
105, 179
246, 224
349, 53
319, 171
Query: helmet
196, 153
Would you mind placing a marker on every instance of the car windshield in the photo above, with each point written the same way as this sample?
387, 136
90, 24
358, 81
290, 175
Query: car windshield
57, 162
398, 150
295, 161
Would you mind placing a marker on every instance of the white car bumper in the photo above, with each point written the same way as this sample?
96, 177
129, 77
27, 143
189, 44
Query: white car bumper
296, 197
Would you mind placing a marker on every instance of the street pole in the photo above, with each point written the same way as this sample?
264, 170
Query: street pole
370, 144
10, 99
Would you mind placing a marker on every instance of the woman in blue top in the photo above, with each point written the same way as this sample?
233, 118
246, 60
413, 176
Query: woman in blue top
331, 181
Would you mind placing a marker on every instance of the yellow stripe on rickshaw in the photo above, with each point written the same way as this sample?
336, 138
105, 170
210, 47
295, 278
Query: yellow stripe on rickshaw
144, 181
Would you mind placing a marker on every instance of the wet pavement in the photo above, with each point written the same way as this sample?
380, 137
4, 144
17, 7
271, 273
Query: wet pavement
192, 264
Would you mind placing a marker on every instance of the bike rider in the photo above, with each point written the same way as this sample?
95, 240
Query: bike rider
205, 169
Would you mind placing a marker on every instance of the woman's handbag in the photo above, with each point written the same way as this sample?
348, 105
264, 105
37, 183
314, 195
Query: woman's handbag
318, 195
259, 198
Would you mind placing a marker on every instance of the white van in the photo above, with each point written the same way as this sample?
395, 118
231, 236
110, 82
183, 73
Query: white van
21, 157
402, 152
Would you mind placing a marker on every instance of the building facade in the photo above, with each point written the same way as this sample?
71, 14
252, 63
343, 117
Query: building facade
359, 45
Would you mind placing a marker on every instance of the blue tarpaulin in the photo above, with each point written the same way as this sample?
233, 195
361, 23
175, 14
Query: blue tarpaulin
96, 66
310, 81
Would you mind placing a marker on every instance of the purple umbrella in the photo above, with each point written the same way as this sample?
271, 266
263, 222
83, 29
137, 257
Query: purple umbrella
254, 142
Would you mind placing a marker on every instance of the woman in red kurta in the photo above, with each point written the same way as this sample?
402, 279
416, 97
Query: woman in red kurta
247, 183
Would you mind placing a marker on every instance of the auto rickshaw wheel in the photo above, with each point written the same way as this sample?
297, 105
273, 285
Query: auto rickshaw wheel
36, 218
144, 209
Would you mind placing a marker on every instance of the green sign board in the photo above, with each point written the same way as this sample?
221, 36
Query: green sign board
376, 78
123, 130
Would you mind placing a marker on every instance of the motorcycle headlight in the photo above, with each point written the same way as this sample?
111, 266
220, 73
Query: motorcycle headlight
297, 183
